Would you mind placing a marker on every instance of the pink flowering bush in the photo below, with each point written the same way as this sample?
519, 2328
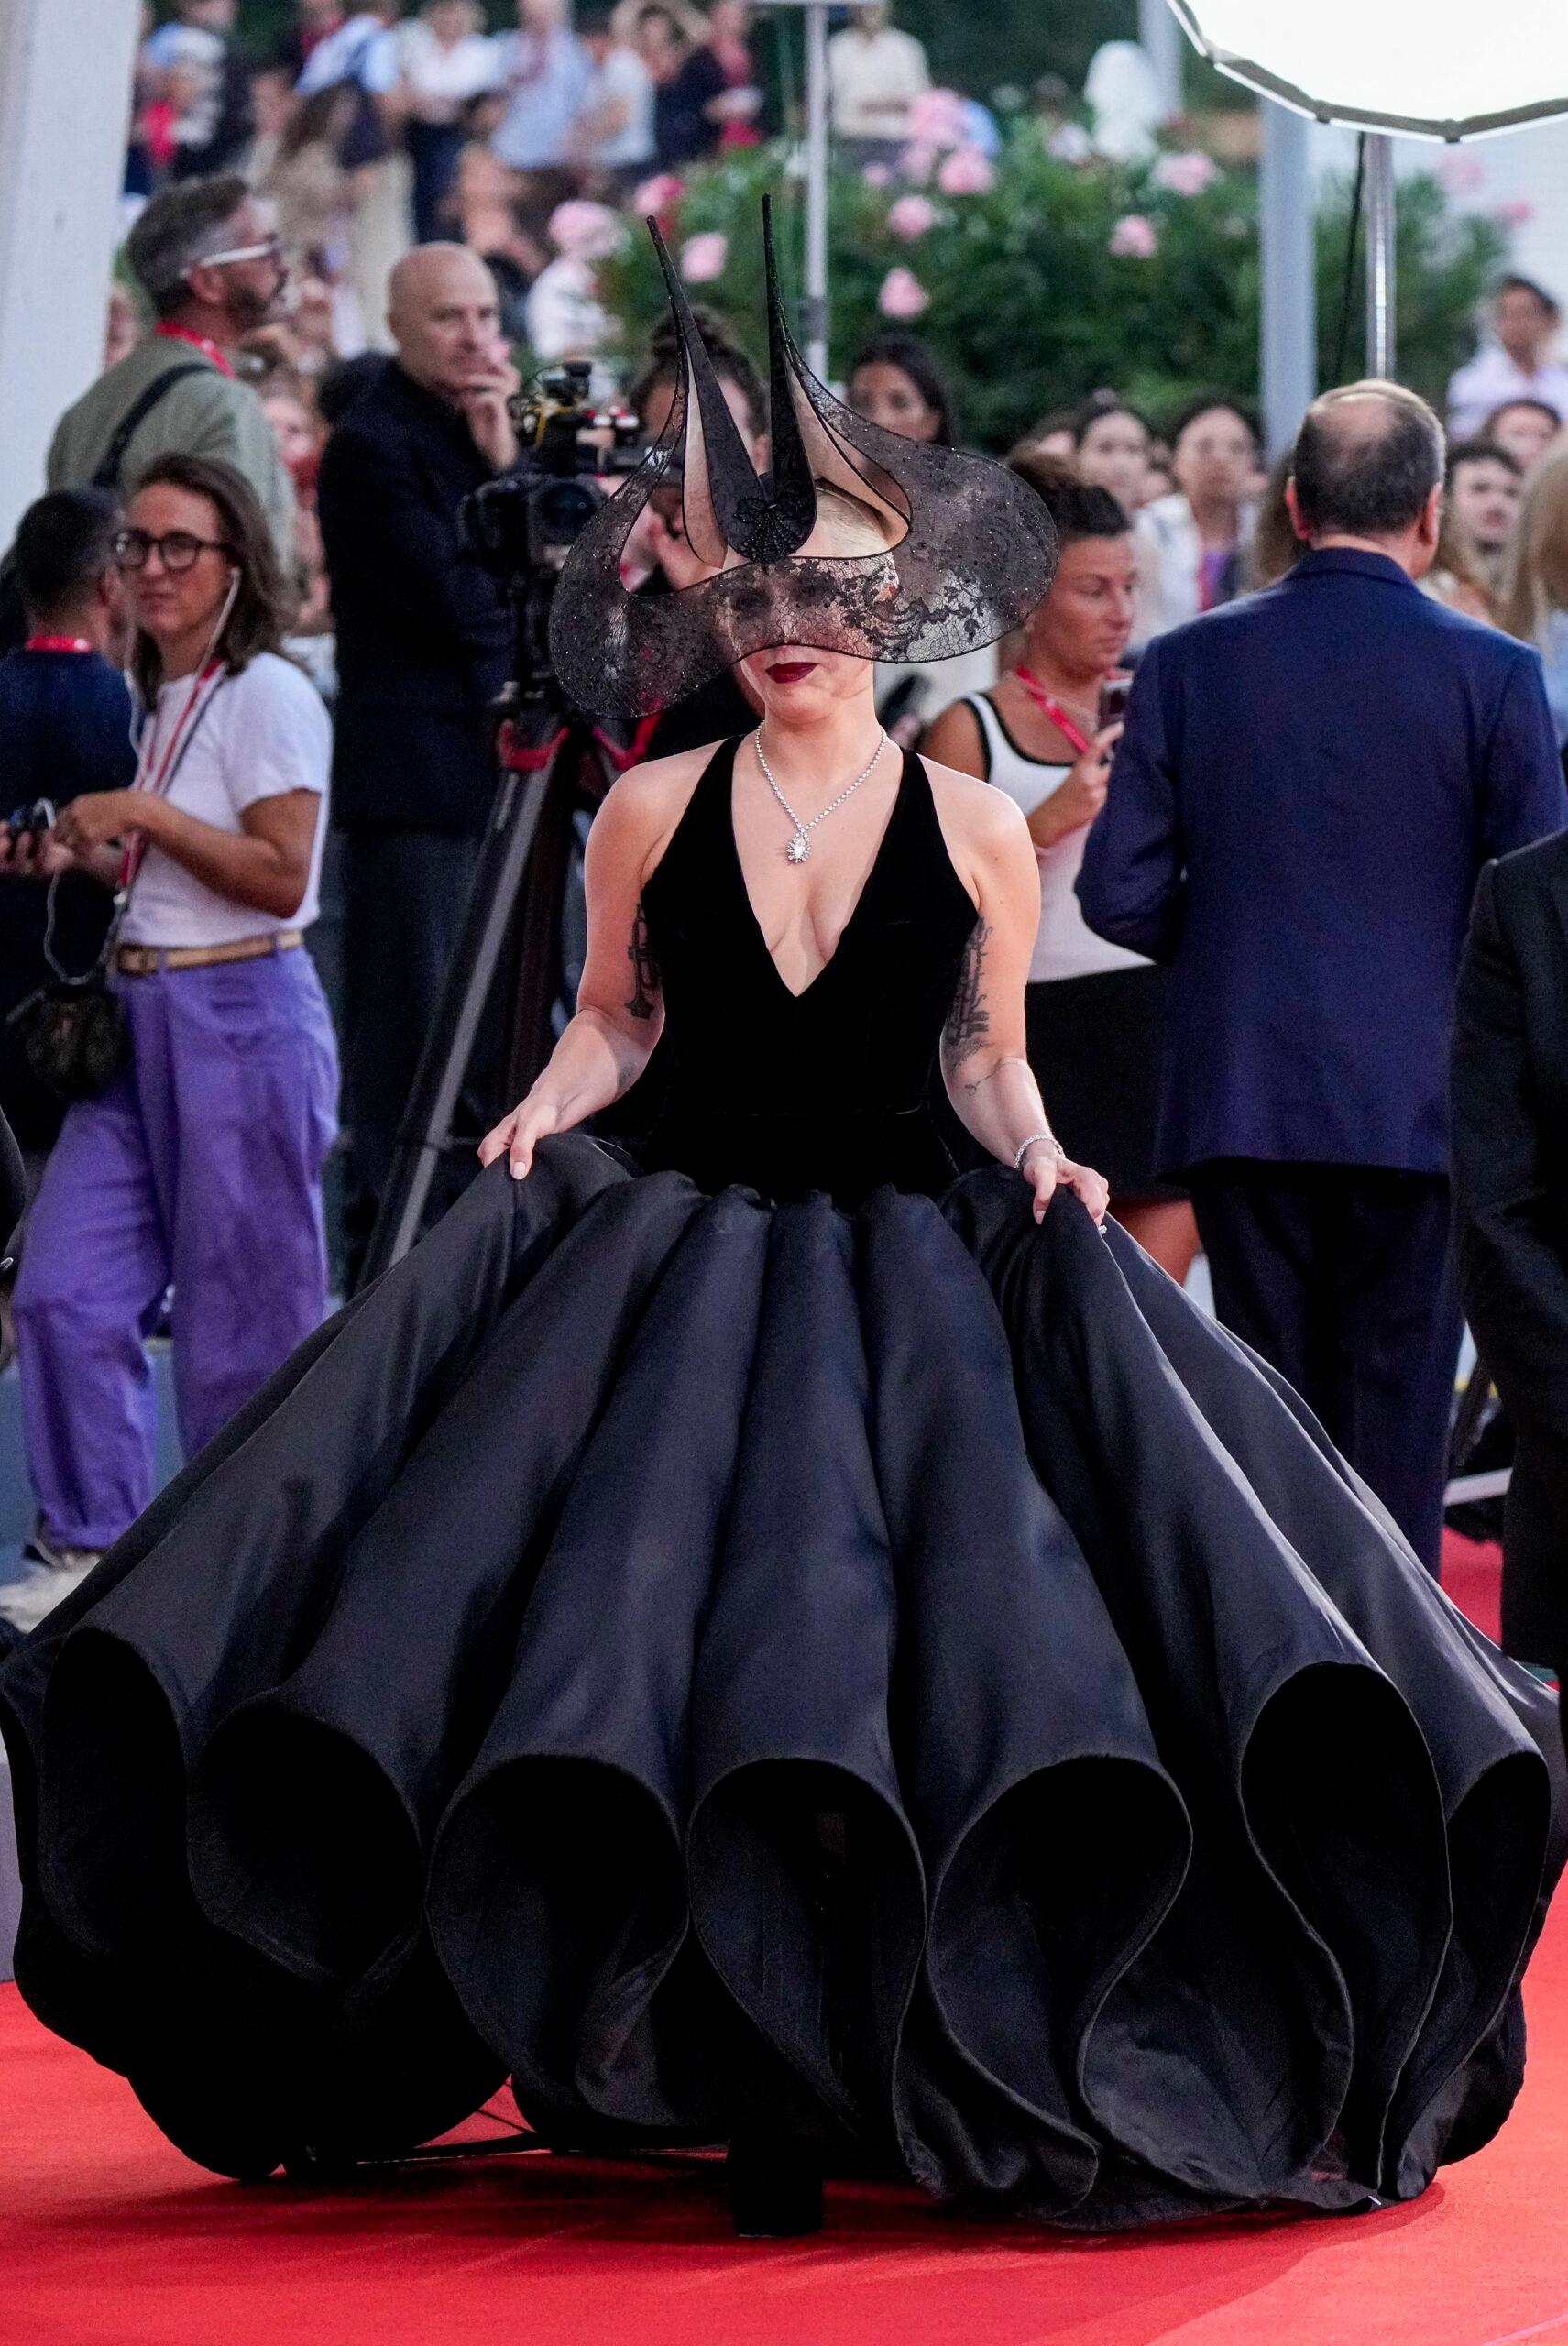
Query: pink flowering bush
877, 175
938, 118
911, 216
584, 231
703, 257
903, 295
966, 172
658, 195
1055, 277
1187, 174
1134, 237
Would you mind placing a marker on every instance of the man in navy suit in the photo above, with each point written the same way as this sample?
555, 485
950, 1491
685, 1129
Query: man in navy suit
1309, 782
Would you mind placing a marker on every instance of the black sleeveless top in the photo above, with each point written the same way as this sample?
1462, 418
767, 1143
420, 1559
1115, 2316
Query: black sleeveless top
825, 1090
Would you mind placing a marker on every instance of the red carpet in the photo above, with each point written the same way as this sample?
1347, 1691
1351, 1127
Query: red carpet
108, 2236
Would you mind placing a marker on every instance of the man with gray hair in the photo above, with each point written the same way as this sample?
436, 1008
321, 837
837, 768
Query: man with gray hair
211, 271
1308, 784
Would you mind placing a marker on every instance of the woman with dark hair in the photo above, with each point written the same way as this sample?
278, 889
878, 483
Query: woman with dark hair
201, 1164
1093, 1011
1192, 545
896, 382
1111, 450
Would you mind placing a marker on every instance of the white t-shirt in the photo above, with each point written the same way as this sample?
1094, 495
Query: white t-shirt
265, 732
889, 66
446, 75
622, 75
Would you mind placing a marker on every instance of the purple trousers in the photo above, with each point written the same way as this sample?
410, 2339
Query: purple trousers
201, 1165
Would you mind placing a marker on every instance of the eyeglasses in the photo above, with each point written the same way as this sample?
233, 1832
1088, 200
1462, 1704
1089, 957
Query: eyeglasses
269, 248
177, 549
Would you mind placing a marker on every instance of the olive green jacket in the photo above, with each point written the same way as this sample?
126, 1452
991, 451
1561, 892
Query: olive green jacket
206, 414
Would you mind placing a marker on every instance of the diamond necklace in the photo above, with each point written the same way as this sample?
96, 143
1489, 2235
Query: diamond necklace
799, 847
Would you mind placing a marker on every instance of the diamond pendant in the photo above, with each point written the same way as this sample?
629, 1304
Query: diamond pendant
798, 848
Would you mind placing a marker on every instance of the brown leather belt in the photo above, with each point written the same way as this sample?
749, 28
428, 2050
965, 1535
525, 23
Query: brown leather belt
146, 960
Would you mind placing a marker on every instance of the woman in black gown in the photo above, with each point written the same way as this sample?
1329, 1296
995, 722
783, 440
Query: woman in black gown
778, 1649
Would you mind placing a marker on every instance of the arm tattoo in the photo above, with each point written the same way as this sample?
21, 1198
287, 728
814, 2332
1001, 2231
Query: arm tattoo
969, 1020
644, 969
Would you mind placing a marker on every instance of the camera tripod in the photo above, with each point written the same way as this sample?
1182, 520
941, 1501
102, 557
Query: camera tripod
547, 758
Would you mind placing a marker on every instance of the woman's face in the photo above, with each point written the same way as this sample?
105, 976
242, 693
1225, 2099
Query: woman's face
885, 394
1083, 623
1527, 433
171, 604
798, 685
660, 400
1215, 457
1113, 453
292, 429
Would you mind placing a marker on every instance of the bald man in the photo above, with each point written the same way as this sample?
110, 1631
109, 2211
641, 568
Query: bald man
423, 645
1308, 784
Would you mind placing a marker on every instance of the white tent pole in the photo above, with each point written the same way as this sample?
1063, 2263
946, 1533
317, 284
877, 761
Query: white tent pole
814, 318
65, 89
1287, 353
1159, 38
1378, 149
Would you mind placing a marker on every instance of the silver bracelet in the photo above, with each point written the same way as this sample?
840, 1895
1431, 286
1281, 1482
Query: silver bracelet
1025, 1145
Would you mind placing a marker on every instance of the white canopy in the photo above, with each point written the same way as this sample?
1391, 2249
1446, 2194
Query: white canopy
1430, 69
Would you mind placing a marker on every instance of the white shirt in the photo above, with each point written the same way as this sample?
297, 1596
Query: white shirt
1492, 379
1065, 944
445, 76
548, 76
890, 64
1169, 554
264, 732
622, 75
363, 51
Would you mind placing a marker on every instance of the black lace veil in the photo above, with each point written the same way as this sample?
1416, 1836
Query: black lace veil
970, 548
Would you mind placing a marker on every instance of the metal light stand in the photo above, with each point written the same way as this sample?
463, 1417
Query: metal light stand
1377, 147
813, 307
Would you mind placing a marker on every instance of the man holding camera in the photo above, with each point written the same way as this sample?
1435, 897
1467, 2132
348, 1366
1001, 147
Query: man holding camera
1308, 784
424, 646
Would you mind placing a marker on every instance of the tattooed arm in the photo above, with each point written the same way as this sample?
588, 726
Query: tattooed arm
610, 1039
984, 1060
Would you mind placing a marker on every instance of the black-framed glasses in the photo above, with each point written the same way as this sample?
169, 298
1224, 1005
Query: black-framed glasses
176, 549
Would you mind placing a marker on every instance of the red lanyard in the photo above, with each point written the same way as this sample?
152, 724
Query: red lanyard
208, 348
56, 643
157, 783
1054, 710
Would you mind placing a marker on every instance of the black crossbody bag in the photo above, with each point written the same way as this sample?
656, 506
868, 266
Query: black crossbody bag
72, 1031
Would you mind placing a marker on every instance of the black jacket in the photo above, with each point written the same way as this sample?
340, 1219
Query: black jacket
1510, 1166
423, 638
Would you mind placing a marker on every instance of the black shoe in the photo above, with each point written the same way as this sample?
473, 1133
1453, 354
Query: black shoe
775, 2188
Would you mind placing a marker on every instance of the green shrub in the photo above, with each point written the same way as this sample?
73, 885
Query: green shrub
1029, 307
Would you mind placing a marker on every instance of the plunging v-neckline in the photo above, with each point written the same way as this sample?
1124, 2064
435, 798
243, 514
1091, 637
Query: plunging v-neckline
866, 885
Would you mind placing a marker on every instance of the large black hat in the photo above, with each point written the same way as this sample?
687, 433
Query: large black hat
970, 548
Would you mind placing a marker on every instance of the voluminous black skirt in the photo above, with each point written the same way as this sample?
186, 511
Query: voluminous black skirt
1094, 1044
903, 1679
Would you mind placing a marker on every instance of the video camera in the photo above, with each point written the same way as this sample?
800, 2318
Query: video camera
528, 521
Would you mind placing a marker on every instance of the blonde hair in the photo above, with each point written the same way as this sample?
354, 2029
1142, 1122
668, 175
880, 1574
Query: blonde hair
1536, 581
856, 526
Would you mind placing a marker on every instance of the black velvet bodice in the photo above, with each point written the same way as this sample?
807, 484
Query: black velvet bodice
826, 1090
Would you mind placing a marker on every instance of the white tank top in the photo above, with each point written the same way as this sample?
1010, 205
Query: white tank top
1065, 944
